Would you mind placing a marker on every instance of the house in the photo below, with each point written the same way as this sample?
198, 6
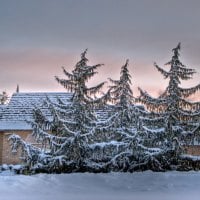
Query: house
14, 117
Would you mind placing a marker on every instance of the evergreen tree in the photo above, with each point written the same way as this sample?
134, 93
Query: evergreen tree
122, 96
171, 116
126, 143
72, 125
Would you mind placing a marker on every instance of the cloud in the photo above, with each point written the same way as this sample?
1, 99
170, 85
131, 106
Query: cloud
34, 70
31, 68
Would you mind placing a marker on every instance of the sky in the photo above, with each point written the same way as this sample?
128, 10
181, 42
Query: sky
38, 37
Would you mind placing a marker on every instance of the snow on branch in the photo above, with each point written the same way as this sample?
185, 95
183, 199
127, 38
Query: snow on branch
186, 92
162, 71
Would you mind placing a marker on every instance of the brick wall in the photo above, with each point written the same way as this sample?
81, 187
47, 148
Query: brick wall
7, 156
193, 150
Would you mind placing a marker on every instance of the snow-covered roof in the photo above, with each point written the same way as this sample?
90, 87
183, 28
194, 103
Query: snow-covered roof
20, 108
2, 106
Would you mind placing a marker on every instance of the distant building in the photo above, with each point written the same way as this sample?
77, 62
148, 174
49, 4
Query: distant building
14, 117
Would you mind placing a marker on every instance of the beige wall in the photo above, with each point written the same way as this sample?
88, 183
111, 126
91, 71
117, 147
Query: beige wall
6, 155
193, 150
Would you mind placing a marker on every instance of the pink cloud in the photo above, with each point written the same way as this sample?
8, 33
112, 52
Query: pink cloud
34, 70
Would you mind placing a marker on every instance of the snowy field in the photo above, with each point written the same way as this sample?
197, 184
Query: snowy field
114, 186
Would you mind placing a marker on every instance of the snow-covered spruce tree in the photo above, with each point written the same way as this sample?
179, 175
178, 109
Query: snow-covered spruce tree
171, 118
120, 146
122, 97
71, 125
111, 152
84, 104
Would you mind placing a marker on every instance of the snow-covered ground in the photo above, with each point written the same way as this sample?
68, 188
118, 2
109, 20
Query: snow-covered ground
113, 186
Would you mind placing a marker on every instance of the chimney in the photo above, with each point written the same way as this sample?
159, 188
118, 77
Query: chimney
17, 89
